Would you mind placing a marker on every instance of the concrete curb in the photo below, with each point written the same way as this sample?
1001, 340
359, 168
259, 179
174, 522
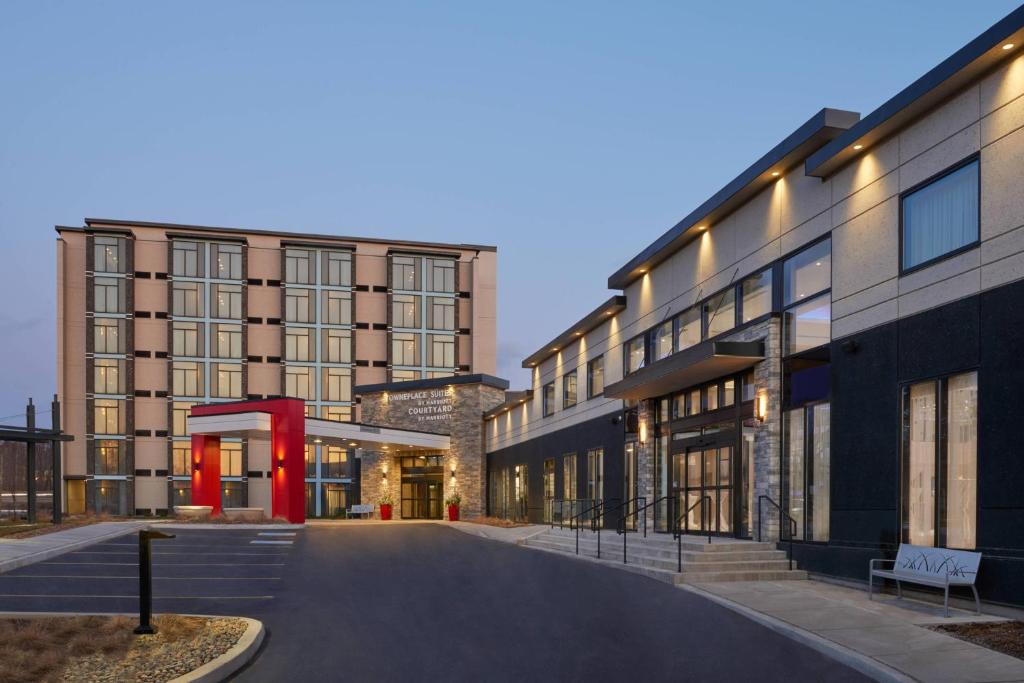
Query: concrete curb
47, 553
231, 661
851, 658
199, 526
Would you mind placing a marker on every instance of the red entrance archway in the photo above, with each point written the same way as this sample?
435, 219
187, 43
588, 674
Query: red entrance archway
287, 454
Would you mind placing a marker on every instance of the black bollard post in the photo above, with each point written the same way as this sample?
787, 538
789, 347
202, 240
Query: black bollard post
58, 477
146, 579
30, 463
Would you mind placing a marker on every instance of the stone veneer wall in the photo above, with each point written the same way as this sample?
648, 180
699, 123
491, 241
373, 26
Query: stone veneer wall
767, 435
465, 428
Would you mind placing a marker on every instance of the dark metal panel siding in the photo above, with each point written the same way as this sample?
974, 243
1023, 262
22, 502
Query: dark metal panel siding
940, 341
599, 432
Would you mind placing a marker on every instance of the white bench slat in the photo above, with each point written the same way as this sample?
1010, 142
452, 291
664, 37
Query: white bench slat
927, 566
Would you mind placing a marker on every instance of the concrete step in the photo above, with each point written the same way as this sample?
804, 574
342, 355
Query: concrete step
768, 575
692, 562
690, 542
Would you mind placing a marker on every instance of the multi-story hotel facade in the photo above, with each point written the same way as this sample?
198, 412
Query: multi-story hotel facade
835, 334
156, 318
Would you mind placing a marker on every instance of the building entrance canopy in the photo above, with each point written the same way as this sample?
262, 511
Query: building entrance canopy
258, 424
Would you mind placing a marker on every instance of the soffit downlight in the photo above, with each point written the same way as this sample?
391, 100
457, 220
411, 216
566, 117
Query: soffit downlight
812, 135
598, 316
983, 54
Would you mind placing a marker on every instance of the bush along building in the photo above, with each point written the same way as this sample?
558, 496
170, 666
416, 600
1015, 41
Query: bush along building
834, 335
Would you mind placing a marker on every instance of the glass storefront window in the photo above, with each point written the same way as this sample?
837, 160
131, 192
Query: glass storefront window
757, 295
662, 340
807, 273
808, 325
688, 328
720, 313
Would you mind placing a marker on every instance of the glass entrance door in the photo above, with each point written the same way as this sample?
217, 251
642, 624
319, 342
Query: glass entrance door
703, 481
421, 498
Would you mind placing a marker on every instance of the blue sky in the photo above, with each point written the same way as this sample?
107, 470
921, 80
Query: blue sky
569, 134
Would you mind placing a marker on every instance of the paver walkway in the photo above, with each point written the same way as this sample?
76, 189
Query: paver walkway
887, 629
18, 552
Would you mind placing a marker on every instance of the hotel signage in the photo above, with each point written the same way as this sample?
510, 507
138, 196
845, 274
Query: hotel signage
426, 406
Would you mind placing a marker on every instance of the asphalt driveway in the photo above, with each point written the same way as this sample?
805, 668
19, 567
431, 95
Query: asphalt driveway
413, 602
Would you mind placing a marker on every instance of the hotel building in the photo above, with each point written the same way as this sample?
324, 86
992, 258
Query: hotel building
155, 318
836, 334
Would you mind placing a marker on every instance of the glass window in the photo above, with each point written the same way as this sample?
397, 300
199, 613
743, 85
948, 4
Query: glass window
569, 389
298, 343
337, 307
569, 477
757, 295
595, 474
399, 375
548, 399
187, 259
336, 413
187, 339
227, 261
441, 350
337, 268
404, 273
633, 354
941, 510
187, 378
688, 328
942, 216
298, 381
109, 416
226, 340
337, 346
110, 458
440, 313
693, 403
187, 299
405, 310
299, 305
337, 384
728, 392
404, 348
230, 459
807, 273
749, 387
108, 253
181, 459
179, 417
226, 380
108, 376
712, 397
595, 377
808, 464
108, 335
109, 295
299, 267
661, 342
440, 275
226, 301
334, 462
112, 497
795, 471
808, 325
720, 313
181, 492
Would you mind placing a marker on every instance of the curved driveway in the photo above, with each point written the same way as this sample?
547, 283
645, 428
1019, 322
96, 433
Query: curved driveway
424, 602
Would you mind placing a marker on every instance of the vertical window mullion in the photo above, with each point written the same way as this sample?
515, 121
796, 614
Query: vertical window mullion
941, 459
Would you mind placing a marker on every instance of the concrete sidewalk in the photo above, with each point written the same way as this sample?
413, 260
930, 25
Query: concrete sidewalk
887, 630
18, 552
495, 533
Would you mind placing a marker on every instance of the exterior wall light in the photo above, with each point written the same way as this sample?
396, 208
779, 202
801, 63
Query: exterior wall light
453, 471
761, 405
642, 432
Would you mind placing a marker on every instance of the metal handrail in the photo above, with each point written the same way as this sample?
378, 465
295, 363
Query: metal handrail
782, 514
647, 505
620, 525
575, 517
677, 531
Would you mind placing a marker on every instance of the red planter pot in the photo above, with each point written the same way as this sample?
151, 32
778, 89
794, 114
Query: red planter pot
453, 513
385, 511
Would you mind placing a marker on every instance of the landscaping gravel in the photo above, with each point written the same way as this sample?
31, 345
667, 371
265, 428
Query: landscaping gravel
160, 657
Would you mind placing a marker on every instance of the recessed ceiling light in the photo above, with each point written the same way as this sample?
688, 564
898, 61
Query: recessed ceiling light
1008, 46
554, 348
775, 174
858, 146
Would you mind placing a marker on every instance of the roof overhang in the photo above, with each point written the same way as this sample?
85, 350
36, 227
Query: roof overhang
812, 135
512, 399
257, 425
981, 55
588, 322
701, 363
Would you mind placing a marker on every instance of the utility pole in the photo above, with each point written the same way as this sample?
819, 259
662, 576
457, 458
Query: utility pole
58, 476
30, 461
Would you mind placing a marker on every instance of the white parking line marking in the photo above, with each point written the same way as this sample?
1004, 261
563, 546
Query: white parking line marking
86, 552
270, 542
174, 564
164, 578
135, 597
277, 533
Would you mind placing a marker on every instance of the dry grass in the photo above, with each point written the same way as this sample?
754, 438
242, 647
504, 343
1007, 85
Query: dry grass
21, 529
222, 519
39, 649
496, 521
1002, 636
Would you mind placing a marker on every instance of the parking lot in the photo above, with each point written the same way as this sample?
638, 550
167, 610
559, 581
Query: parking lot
220, 571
